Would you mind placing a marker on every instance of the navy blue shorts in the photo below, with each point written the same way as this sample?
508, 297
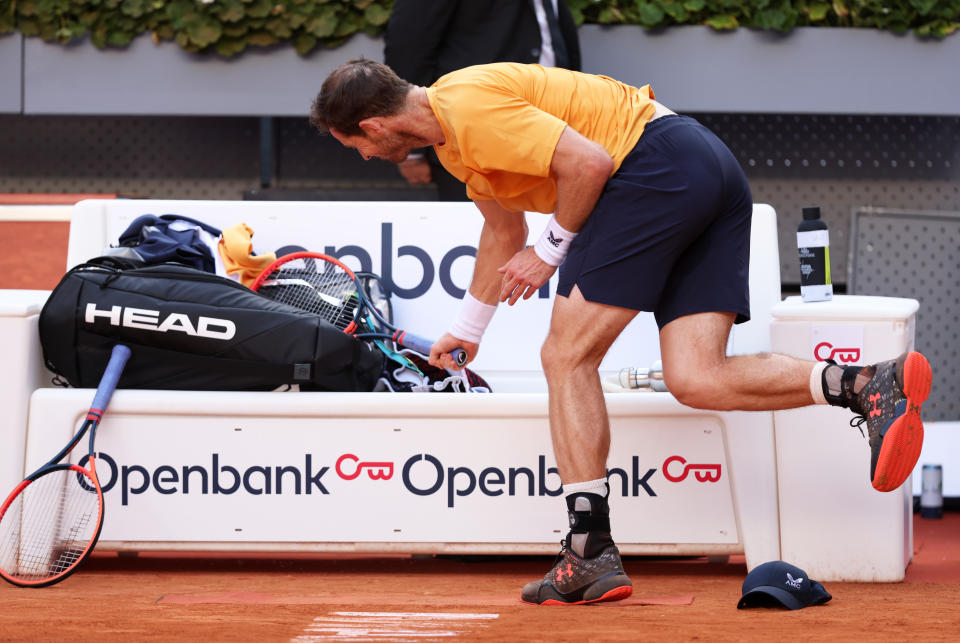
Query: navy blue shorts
670, 233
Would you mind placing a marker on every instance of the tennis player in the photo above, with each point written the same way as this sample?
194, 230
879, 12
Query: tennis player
649, 211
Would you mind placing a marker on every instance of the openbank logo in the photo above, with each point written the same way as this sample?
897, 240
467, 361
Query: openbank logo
825, 350
701, 472
375, 470
428, 270
422, 475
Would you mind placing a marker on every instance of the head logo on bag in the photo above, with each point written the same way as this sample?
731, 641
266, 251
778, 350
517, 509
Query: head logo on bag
209, 327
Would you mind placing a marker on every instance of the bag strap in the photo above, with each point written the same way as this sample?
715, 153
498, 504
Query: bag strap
281, 373
111, 262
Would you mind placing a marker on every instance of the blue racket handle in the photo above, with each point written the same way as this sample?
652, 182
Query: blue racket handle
422, 345
459, 356
108, 383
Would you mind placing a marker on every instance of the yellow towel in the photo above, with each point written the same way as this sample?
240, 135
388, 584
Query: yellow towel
236, 251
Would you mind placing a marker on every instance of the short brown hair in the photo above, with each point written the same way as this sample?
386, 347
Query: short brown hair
354, 91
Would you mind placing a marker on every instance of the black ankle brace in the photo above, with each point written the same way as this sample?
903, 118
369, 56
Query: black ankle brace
841, 391
591, 525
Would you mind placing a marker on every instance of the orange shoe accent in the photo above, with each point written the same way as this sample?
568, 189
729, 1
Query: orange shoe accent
904, 439
875, 398
615, 594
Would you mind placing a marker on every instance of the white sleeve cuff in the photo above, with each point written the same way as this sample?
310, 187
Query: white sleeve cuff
472, 319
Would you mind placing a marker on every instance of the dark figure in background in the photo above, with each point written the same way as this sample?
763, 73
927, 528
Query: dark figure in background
426, 39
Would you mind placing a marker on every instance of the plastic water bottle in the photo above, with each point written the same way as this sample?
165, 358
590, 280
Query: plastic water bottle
931, 491
651, 378
813, 242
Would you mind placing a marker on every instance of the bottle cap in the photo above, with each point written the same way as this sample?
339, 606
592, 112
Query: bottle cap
811, 213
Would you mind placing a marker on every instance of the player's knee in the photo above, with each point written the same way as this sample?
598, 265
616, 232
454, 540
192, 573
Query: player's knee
559, 357
694, 389
551, 357
680, 387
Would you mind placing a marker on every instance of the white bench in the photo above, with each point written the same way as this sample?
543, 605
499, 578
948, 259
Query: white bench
428, 473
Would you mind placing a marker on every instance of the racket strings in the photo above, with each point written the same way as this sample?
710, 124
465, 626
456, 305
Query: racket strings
316, 286
49, 526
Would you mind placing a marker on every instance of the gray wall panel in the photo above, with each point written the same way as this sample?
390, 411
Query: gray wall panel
163, 79
11, 74
912, 253
810, 70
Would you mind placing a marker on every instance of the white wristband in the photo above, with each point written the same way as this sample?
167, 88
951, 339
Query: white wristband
554, 243
472, 319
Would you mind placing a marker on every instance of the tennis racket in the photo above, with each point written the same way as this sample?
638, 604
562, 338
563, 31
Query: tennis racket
326, 287
50, 523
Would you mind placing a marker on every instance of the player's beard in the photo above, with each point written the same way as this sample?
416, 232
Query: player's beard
397, 145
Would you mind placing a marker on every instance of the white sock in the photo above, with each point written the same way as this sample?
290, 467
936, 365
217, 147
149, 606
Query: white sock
598, 486
816, 383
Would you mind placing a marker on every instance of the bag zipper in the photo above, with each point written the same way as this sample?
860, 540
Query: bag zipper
160, 271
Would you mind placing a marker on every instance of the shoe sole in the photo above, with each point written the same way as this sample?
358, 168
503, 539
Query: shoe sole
904, 439
615, 594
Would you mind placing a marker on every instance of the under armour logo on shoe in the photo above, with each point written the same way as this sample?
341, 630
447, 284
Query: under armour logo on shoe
793, 582
554, 241
875, 398
561, 572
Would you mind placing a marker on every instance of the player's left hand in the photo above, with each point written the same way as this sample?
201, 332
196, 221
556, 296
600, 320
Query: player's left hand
523, 275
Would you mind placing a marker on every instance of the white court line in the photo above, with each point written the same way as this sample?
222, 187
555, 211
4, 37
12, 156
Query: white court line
393, 626
453, 616
35, 212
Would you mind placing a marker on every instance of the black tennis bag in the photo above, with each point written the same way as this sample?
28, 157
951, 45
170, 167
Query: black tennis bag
193, 330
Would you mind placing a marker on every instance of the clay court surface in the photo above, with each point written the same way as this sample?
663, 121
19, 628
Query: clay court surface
236, 597
336, 598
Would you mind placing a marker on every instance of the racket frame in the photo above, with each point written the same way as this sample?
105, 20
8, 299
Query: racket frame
105, 389
402, 337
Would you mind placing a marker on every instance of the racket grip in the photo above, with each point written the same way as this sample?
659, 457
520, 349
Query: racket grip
111, 376
459, 356
422, 345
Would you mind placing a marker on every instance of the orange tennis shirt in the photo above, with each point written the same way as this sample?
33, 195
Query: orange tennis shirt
502, 122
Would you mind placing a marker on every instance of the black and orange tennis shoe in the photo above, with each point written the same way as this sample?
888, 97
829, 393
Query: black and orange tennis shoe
588, 568
575, 580
887, 397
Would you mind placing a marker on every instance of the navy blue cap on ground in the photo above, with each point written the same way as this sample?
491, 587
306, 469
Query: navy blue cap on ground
786, 584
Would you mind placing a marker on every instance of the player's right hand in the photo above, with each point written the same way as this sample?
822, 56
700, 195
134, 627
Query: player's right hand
415, 170
440, 351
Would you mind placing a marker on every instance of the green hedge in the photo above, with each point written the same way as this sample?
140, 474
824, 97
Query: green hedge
230, 26
925, 17
225, 26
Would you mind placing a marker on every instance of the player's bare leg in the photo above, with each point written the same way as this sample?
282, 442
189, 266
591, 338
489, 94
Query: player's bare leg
699, 373
588, 568
581, 333
886, 396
